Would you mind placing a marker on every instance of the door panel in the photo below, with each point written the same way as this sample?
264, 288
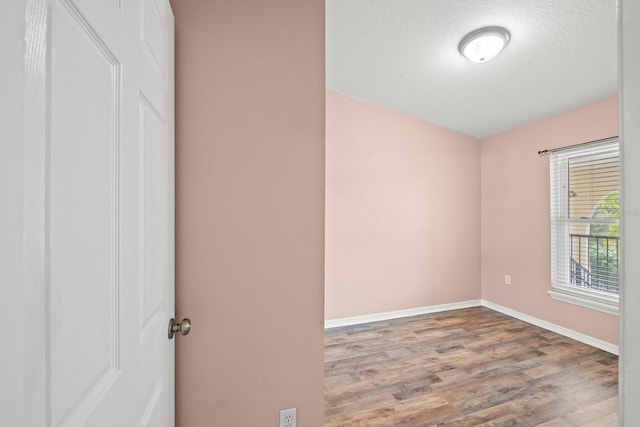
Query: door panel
153, 218
83, 210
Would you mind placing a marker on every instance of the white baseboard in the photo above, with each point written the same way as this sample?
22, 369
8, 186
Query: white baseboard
376, 317
578, 336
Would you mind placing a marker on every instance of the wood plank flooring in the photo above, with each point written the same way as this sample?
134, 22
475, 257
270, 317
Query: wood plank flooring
469, 367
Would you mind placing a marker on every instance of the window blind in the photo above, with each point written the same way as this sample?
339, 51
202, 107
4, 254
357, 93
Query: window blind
585, 212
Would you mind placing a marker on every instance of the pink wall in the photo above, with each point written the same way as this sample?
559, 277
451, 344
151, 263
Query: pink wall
402, 211
250, 210
515, 216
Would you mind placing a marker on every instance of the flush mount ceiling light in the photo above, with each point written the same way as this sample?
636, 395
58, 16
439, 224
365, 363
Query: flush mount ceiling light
483, 44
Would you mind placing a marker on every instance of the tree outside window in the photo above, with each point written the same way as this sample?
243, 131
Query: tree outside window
604, 246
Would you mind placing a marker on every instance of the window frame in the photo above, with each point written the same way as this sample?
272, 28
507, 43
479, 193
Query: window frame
607, 302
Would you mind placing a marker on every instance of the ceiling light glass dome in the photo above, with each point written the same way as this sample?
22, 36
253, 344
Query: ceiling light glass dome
484, 44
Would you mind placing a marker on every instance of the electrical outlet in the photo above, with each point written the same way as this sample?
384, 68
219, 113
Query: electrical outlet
288, 417
507, 279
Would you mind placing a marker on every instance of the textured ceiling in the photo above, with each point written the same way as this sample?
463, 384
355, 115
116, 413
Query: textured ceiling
403, 55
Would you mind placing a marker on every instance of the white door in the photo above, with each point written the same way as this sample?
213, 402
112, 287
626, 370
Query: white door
96, 285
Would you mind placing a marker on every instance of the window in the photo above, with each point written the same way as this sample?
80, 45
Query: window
585, 230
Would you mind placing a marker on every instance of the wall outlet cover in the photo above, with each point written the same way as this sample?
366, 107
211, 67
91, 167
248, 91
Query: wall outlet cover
288, 417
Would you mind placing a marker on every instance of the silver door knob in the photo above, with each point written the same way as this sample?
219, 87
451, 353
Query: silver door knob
183, 327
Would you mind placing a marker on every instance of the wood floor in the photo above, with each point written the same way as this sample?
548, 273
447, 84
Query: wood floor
469, 367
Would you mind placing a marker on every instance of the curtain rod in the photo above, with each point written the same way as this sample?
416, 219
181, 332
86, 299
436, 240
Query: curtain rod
553, 150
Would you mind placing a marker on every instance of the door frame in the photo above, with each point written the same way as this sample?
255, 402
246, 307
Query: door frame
629, 84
